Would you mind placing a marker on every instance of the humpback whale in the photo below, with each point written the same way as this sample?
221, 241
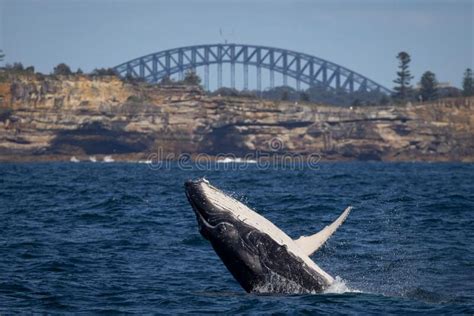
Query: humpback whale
260, 256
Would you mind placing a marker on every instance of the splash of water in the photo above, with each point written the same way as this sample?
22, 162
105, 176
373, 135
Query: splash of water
279, 284
276, 283
339, 286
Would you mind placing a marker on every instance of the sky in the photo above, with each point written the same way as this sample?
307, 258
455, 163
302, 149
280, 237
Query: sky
364, 36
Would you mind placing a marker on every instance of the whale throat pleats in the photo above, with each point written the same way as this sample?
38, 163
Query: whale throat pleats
309, 244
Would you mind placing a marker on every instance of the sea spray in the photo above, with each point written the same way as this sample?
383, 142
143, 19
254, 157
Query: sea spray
339, 286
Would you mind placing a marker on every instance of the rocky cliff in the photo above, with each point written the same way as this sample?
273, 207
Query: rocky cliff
54, 118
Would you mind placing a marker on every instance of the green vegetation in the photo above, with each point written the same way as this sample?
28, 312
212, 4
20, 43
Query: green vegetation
18, 69
166, 81
103, 72
62, 70
403, 90
468, 83
191, 79
9, 70
428, 90
304, 96
317, 94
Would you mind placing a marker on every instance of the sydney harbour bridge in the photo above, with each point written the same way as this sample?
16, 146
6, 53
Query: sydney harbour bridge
303, 69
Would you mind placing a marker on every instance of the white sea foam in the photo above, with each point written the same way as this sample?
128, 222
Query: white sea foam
92, 159
279, 284
145, 161
235, 160
108, 159
339, 286
74, 159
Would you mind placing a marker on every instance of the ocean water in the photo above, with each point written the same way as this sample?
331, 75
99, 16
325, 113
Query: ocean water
122, 238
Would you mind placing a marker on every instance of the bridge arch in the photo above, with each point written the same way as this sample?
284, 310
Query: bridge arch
302, 67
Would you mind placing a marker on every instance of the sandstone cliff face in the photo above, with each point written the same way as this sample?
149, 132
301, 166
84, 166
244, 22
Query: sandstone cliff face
58, 117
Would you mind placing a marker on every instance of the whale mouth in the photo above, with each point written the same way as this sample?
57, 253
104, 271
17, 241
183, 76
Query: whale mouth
194, 193
198, 201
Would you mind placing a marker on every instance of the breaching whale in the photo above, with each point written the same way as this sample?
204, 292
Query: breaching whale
260, 256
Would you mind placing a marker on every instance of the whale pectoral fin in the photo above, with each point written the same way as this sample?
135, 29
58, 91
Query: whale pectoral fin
309, 244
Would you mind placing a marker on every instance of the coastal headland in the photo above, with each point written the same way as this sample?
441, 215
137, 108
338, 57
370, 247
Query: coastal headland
45, 118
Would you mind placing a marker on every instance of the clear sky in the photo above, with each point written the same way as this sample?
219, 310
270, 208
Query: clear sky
364, 36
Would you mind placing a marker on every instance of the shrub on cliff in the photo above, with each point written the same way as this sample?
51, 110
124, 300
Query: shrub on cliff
304, 96
192, 79
226, 92
30, 69
16, 67
62, 70
129, 78
166, 81
104, 72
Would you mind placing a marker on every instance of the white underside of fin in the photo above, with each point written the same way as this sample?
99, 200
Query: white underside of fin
309, 244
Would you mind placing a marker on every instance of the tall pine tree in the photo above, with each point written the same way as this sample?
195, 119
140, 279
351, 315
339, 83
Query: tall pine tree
428, 83
468, 83
403, 90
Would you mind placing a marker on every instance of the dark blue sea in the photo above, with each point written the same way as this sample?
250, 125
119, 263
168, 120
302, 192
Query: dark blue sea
108, 238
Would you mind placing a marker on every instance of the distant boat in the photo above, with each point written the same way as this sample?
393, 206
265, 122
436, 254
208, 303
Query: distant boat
108, 159
74, 159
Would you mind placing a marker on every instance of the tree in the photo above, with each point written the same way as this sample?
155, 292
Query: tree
304, 96
226, 92
384, 100
79, 71
18, 66
356, 102
62, 70
166, 81
428, 83
133, 80
191, 78
104, 72
2, 55
468, 83
403, 89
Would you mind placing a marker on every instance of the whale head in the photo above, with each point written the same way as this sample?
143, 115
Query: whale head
232, 240
211, 218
